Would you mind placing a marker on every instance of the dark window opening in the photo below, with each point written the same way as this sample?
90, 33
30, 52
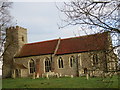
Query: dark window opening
23, 39
17, 72
47, 65
60, 62
72, 61
32, 66
85, 70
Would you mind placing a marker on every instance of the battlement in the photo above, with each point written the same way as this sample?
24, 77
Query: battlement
16, 27
17, 34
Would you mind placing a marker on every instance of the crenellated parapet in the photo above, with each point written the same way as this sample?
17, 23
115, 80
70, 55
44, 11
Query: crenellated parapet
16, 27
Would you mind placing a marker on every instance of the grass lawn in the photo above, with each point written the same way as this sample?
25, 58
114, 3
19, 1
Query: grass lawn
65, 82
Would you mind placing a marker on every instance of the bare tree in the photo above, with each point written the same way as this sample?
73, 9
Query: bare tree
92, 13
5, 22
95, 15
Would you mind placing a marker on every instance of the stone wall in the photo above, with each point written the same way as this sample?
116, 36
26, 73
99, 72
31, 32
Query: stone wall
12, 46
82, 61
25, 61
111, 58
66, 70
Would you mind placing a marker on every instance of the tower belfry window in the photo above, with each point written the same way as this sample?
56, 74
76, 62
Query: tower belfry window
23, 39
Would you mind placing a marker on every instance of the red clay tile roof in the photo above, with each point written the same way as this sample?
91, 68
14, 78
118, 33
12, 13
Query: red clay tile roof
68, 45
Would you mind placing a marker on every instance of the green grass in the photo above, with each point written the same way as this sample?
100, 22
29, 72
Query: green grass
65, 82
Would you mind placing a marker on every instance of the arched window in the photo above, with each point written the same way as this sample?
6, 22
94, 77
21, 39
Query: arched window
72, 59
60, 62
47, 65
23, 38
95, 59
32, 66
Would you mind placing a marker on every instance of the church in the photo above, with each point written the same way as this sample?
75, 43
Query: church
74, 56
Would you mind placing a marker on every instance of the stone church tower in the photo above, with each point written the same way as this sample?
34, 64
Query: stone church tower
16, 37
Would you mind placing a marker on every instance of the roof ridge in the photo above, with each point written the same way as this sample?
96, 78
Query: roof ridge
64, 38
41, 42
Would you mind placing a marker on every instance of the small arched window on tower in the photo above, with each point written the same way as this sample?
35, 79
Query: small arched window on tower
72, 59
60, 62
95, 59
31, 66
23, 38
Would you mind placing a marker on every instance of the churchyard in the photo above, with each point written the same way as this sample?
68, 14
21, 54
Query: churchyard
63, 82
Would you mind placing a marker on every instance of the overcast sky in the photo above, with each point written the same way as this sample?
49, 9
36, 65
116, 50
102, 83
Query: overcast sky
41, 19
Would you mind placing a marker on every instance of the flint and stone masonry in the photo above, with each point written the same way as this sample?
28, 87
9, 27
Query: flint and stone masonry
76, 56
